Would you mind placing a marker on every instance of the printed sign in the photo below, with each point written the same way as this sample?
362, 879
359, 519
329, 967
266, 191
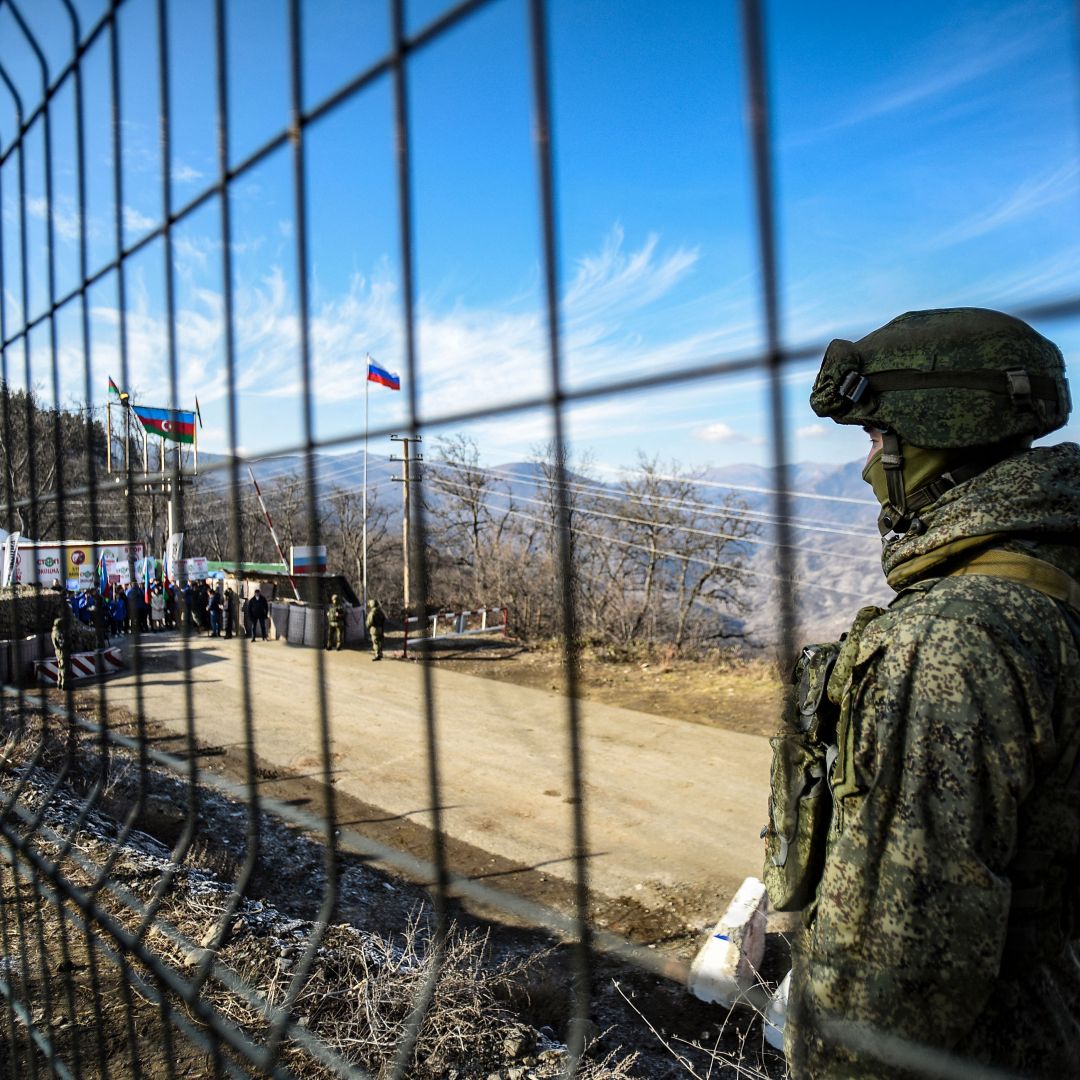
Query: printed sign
10, 553
74, 565
174, 552
195, 569
118, 572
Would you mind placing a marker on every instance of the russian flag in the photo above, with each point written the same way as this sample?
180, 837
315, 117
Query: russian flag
383, 377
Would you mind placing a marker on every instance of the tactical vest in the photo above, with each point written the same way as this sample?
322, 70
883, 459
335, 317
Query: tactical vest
804, 752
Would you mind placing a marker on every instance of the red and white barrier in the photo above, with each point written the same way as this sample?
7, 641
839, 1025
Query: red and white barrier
83, 666
454, 624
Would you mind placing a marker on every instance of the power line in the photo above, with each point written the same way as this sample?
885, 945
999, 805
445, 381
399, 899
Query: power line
682, 557
711, 509
681, 528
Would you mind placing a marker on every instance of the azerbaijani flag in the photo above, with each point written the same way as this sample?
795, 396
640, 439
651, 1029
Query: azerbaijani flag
168, 423
117, 392
383, 377
146, 577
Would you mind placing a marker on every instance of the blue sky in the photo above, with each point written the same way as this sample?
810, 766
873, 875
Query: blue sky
926, 155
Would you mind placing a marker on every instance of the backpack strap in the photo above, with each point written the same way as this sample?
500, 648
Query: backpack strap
1027, 570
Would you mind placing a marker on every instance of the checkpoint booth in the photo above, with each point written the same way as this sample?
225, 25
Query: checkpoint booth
295, 621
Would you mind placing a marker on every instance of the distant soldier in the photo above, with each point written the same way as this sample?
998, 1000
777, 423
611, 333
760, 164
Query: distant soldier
99, 619
335, 623
376, 624
61, 640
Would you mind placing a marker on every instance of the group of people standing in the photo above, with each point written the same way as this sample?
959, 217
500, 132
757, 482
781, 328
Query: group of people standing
217, 611
202, 606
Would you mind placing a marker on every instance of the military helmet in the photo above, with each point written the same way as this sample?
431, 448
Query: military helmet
947, 378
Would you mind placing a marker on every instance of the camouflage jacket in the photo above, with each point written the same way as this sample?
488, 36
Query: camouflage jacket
949, 907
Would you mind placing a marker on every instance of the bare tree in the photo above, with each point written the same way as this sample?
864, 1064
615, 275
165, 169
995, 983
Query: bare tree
344, 536
685, 559
461, 506
45, 450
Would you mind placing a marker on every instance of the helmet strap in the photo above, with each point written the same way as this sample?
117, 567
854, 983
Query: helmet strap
893, 517
900, 506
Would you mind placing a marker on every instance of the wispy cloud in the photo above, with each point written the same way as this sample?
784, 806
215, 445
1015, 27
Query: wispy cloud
964, 54
1035, 193
183, 173
136, 220
722, 432
64, 215
812, 431
468, 355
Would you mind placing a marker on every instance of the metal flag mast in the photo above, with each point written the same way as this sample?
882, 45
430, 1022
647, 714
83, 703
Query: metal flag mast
363, 548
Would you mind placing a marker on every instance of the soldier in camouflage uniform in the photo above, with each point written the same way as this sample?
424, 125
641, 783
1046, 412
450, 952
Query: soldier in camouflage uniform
947, 910
61, 641
335, 623
376, 627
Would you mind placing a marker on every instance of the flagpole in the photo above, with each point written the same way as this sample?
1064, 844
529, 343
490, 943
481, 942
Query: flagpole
367, 391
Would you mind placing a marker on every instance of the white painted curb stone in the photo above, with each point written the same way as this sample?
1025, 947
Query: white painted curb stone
726, 966
776, 1015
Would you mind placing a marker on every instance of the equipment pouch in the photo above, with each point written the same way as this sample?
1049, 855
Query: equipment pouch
800, 802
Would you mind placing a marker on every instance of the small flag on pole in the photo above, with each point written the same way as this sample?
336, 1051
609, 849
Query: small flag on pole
198, 412
116, 392
383, 377
147, 562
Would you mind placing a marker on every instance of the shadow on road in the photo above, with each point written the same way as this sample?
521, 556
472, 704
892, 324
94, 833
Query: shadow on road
400, 817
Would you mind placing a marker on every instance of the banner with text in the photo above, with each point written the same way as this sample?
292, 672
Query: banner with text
72, 565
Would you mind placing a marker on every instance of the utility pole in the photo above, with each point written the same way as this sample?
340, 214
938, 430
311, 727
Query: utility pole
406, 504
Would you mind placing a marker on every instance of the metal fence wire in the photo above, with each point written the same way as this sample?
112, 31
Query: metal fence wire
121, 953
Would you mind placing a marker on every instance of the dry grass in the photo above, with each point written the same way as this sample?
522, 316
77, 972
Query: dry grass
360, 986
737, 1050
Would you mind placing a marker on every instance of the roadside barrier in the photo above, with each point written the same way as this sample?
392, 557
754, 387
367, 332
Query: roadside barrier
84, 665
445, 625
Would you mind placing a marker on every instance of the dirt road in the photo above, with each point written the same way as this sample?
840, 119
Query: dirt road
673, 808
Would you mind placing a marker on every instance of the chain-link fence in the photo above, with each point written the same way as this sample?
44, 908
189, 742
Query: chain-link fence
181, 895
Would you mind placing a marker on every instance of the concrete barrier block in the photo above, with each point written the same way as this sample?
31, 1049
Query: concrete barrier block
726, 966
279, 621
315, 627
354, 625
297, 624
